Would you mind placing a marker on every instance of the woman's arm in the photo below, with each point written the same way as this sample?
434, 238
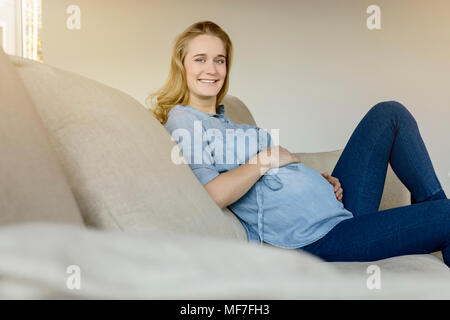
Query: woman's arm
230, 186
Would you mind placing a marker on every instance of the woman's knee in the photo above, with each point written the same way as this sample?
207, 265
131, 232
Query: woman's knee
389, 107
392, 109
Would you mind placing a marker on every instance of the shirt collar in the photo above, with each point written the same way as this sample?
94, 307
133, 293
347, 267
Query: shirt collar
220, 110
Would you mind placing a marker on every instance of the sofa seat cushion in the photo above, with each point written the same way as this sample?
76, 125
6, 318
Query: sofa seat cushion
118, 265
412, 263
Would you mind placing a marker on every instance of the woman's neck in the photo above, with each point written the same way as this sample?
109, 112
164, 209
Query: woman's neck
206, 106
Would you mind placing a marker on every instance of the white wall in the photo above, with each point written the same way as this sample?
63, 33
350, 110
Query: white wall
8, 41
311, 68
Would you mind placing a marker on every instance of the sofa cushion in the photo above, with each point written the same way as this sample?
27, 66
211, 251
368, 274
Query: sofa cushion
117, 265
33, 186
117, 158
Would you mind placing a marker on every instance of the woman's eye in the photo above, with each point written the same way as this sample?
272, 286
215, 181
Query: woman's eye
202, 60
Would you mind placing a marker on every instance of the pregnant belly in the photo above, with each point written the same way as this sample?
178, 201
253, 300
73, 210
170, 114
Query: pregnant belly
302, 192
298, 176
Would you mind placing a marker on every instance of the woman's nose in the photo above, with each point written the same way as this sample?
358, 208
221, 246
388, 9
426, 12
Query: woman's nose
211, 67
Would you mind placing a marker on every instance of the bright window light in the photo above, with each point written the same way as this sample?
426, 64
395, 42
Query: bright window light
31, 29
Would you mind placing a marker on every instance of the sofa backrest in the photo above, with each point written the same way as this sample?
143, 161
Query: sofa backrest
117, 158
237, 111
33, 187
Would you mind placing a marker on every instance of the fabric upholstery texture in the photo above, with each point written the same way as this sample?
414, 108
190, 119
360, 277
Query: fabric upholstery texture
120, 265
237, 111
33, 186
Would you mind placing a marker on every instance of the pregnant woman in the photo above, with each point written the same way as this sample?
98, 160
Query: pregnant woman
278, 199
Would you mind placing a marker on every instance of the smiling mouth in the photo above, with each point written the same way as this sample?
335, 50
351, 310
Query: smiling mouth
210, 82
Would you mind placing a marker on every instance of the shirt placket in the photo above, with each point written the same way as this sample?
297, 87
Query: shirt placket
273, 182
260, 200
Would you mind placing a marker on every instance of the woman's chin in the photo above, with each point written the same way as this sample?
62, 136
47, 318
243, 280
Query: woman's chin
209, 94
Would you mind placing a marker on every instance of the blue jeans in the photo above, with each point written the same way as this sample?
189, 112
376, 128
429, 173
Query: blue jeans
387, 133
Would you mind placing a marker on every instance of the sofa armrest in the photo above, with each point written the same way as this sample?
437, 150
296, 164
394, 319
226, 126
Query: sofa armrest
395, 194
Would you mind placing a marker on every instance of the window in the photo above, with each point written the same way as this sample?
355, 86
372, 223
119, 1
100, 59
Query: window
8, 34
20, 28
2, 34
31, 29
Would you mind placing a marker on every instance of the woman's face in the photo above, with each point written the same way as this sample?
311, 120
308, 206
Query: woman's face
205, 65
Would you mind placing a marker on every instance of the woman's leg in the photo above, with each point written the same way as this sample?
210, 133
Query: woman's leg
415, 229
387, 133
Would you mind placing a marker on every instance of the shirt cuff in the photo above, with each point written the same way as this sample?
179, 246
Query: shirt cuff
205, 174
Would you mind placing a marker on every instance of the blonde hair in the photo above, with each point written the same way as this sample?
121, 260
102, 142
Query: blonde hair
175, 90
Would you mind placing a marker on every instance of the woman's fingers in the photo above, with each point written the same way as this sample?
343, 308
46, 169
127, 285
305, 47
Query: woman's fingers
337, 185
339, 194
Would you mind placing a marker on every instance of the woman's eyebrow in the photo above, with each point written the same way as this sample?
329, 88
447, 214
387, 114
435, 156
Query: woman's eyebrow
204, 54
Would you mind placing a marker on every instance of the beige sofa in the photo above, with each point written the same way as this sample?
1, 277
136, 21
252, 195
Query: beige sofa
88, 181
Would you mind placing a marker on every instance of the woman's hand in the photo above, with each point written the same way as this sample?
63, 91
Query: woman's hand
337, 185
277, 157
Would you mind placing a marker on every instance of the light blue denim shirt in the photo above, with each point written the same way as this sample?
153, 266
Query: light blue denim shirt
289, 207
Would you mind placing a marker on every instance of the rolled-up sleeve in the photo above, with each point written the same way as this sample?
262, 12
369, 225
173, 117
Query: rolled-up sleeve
205, 174
187, 131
